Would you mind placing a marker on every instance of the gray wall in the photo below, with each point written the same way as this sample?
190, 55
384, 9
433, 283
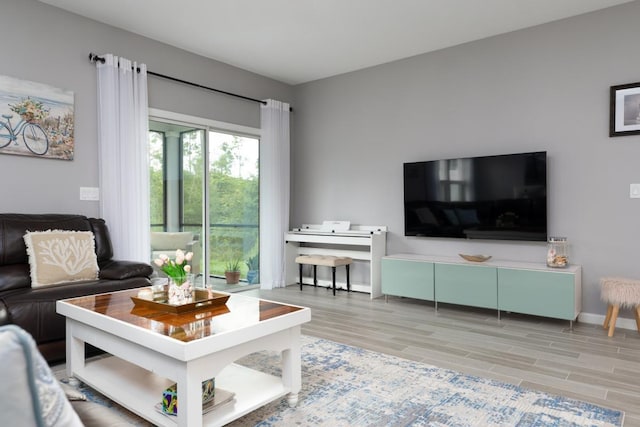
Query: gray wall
51, 46
543, 88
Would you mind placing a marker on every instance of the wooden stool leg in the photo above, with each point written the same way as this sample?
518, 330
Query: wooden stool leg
637, 312
300, 276
333, 278
315, 275
607, 318
614, 317
349, 284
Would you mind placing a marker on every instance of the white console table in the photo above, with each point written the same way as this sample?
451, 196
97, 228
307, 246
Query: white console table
361, 242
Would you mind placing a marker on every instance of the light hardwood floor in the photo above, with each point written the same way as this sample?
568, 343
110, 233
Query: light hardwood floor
532, 352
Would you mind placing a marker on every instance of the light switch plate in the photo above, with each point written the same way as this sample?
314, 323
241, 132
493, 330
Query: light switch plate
634, 191
89, 193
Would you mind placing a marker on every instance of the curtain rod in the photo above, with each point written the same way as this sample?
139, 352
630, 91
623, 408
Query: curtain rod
95, 58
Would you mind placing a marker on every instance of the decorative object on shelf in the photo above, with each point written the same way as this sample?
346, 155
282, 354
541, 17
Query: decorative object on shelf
170, 396
253, 274
624, 110
232, 271
180, 287
557, 252
222, 397
476, 258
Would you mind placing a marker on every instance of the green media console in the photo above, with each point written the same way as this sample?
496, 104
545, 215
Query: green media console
518, 287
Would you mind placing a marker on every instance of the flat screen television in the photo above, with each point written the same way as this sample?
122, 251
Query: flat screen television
500, 197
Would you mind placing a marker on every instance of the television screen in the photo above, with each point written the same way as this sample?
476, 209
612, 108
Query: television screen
493, 197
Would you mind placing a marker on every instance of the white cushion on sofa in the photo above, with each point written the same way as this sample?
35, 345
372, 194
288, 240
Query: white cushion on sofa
61, 256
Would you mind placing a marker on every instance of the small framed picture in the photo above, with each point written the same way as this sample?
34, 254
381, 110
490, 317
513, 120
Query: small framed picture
624, 113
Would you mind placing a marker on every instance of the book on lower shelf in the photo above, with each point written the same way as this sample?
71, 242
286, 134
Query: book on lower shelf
220, 398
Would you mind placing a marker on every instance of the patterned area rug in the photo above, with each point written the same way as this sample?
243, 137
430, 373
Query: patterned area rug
349, 386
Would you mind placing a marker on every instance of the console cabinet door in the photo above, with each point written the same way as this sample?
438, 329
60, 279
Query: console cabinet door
466, 285
406, 278
540, 293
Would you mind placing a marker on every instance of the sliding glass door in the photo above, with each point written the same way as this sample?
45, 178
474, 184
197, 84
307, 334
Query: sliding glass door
157, 179
234, 203
177, 168
206, 181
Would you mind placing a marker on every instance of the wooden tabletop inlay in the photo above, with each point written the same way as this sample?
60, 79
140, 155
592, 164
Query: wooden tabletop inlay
238, 312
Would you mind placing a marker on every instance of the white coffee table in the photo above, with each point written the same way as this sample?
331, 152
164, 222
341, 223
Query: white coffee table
152, 349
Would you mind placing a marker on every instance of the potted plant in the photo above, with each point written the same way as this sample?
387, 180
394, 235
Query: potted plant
177, 270
253, 264
232, 271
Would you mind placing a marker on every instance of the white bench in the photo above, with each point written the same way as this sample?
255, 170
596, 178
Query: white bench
325, 260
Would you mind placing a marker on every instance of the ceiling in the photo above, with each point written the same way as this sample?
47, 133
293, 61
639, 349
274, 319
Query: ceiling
296, 41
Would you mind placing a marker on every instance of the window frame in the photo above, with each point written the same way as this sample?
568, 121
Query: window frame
209, 125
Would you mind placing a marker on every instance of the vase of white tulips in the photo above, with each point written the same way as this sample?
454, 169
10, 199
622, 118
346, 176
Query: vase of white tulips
178, 271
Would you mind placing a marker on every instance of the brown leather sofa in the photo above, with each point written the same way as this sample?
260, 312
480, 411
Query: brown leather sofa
35, 309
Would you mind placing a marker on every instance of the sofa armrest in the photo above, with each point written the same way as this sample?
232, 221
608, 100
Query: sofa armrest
118, 270
14, 276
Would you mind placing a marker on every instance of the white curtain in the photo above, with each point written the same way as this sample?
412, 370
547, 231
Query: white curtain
123, 128
274, 191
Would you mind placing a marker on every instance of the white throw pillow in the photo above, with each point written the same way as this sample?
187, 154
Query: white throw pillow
60, 256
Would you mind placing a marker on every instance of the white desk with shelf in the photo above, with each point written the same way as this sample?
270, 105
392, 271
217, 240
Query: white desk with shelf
360, 242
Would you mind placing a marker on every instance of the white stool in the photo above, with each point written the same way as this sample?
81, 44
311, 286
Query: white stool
326, 260
619, 292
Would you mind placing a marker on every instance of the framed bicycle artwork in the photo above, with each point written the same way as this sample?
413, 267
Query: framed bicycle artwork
35, 119
624, 110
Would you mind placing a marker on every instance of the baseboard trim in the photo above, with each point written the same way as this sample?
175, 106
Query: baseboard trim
598, 319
